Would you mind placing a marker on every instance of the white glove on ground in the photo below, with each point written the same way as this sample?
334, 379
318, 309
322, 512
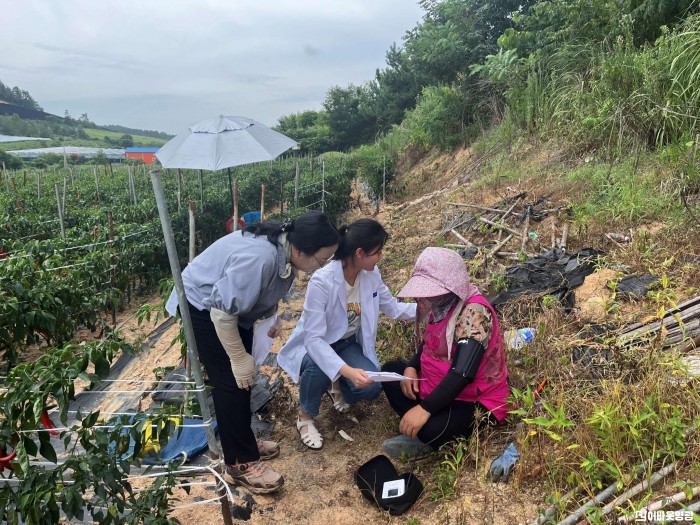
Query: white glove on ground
242, 363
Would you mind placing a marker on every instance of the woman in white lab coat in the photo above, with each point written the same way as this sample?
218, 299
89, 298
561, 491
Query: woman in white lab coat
333, 343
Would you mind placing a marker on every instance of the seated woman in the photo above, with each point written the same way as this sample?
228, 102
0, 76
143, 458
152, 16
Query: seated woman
460, 363
333, 342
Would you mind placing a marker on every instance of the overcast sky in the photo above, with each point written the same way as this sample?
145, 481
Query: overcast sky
166, 64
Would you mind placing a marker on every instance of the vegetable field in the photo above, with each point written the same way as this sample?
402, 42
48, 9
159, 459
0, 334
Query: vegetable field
76, 244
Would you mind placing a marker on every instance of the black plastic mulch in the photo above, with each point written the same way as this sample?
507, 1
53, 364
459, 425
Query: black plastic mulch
554, 273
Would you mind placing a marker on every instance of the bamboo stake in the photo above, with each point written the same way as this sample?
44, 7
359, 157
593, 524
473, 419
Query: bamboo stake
575, 516
499, 246
281, 196
643, 485
296, 185
526, 228
192, 231
664, 502
500, 226
262, 203
460, 204
97, 183
542, 518
38, 185
564, 236
60, 211
503, 218
201, 190
110, 230
234, 191
179, 191
464, 240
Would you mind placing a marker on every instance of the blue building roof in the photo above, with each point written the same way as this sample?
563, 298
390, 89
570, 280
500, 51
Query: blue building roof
141, 150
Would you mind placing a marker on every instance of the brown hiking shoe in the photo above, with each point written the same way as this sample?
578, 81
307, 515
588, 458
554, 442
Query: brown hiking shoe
268, 449
255, 476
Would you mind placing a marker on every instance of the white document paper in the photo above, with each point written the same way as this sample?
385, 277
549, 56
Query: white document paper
261, 341
379, 377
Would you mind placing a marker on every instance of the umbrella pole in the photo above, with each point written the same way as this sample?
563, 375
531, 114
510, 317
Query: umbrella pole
192, 354
230, 188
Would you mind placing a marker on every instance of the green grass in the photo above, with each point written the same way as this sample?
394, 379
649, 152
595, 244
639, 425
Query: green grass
139, 140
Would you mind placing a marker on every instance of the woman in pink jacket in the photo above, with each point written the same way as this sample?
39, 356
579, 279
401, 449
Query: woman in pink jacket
459, 365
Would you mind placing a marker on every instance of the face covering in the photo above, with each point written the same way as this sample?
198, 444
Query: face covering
439, 306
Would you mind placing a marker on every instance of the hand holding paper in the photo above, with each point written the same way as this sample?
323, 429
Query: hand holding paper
379, 377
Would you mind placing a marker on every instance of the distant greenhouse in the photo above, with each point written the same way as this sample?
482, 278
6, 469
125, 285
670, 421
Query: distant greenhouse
10, 138
72, 152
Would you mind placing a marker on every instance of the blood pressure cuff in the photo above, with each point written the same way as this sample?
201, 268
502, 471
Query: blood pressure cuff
468, 358
370, 479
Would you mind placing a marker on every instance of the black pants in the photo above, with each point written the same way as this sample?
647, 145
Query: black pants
457, 419
232, 404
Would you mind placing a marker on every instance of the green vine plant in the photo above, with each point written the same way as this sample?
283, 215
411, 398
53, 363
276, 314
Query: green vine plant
92, 472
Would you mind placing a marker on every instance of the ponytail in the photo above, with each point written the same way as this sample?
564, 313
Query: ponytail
308, 233
367, 234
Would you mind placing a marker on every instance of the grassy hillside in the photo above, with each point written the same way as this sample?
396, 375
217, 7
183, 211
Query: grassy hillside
607, 406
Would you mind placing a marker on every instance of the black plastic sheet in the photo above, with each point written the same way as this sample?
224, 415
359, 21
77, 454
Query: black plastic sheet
553, 273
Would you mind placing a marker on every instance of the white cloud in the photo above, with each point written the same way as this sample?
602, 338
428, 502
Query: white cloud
259, 58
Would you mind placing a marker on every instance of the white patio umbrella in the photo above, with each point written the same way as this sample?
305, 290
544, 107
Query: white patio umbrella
223, 142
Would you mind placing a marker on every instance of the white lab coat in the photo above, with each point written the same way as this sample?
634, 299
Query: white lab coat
324, 320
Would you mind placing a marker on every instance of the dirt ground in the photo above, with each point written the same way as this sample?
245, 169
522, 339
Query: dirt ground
319, 487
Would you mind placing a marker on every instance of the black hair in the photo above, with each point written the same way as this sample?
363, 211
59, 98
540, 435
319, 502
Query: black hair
308, 233
367, 234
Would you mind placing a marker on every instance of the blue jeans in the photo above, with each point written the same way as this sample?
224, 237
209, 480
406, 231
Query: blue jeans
313, 383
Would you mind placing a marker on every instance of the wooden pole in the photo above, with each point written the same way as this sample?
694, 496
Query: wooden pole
234, 192
498, 246
463, 239
554, 235
110, 230
18, 204
281, 196
179, 191
201, 190
296, 185
38, 185
230, 189
564, 236
323, 186
526, 227
60, 211
192, 231
63, 201
262, 203
97, 183
500, 226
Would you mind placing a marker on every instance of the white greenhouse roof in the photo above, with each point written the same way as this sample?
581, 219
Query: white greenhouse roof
10, 138
70, 151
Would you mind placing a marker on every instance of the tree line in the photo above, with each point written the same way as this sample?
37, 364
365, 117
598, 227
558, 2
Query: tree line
18, 97
468, 63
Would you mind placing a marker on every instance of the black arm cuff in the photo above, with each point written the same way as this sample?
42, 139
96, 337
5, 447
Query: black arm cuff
465, 363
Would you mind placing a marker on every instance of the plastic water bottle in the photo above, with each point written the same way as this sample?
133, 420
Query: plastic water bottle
516, 339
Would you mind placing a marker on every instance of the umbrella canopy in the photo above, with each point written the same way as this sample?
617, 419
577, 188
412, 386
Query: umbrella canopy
223, 142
